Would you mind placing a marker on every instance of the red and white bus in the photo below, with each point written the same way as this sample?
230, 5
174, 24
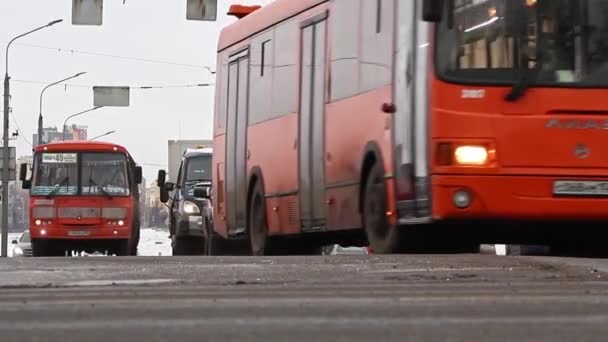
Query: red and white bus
84, 196
421, 123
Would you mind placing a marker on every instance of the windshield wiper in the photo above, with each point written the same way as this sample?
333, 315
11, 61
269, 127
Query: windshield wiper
107, 194
527, 76
57, 187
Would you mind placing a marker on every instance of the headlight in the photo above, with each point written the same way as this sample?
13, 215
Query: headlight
17, 251
471, 155
191, 208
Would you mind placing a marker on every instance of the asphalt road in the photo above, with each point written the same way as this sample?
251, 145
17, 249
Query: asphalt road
332, 298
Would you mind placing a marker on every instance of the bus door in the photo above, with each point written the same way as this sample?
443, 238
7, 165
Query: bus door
312, 123
411, 117
236, 141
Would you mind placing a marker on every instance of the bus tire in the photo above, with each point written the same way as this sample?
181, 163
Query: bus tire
257, 230
122, 248
383, 238
217, 245
40, 248
188, 246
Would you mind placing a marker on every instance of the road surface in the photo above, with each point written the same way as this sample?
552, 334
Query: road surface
329, 298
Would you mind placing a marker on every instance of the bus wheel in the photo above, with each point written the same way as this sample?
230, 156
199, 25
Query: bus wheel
382, 237
122, 248
40, 248
258, 227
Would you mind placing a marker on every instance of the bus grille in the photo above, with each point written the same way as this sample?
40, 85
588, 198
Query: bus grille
79, 212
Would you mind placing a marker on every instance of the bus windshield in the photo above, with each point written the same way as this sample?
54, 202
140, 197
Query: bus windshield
88, 174
198, 169
489, 41
104, 174
55, 173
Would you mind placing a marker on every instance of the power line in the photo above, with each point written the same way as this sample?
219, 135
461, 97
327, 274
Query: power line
134, 87
19, 131
137, 59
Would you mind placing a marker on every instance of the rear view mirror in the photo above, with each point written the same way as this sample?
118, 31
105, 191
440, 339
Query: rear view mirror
25, 183
164, 191
139, 175
432, 10
162, 177
203, 10
15, 242
23, 172
202, 192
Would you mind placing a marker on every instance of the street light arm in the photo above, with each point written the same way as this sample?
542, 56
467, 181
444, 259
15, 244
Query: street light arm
65, 123
25, 34
56, 83
102, 135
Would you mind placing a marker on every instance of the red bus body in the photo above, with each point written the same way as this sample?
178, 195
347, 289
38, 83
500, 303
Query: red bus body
314, 95
85, 222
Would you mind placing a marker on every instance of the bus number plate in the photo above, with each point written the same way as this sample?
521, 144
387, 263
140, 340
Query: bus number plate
79, 233
580, 188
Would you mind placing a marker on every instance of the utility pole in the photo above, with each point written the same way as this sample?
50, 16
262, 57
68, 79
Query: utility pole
6, 148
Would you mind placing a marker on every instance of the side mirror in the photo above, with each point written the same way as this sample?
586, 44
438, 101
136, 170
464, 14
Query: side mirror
164, 195
432, 10
202, 192
139, 175
15, 242
164, 191
162, 178
23, 172
25, 183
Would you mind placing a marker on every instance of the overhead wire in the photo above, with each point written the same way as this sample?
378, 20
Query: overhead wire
132, 87
105, 55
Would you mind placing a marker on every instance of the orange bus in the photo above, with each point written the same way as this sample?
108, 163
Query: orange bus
428, 123
84, 196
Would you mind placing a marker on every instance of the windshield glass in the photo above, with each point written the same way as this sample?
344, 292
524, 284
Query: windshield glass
198, 169
25, 238
56, 173
104, 174
566, 41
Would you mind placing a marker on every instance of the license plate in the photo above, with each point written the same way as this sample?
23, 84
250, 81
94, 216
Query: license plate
580, 188
79, 233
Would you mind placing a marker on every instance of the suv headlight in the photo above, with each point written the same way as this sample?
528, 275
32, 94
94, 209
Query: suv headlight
191, 208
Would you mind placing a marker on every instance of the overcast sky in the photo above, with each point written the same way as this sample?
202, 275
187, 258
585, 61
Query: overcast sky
141, 29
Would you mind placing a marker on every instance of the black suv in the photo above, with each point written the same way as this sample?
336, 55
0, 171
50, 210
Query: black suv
186, 210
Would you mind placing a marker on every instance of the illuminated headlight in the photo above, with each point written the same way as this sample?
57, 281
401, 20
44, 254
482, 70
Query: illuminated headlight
191, 208
471, 155
114, 213
38, 222
43, 212
17, 251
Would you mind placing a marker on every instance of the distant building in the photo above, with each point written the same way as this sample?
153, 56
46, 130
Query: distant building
72, 132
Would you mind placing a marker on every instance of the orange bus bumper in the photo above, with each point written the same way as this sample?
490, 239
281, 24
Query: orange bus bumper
511, 197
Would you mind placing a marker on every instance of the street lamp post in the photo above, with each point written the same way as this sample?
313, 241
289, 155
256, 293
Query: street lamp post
42, 93
65, 123
5, 147
102, 135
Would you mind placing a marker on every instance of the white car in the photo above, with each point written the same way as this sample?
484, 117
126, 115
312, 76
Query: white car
23, 246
